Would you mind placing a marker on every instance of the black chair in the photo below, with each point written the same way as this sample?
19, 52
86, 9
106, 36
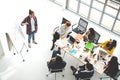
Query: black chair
86, 77
56, 71
81, 27
64, 20
112, 77
97, 36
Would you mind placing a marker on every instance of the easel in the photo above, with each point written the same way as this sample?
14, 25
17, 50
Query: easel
11, 45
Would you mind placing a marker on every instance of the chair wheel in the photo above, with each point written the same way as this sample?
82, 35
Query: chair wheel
47, 75
62, 75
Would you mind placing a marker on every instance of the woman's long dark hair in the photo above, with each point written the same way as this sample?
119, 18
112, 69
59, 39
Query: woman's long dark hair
92, 31
113, 44
113, 66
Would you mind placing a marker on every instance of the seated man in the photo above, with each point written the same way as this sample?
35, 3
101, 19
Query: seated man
56, 63
56, 52
85, 71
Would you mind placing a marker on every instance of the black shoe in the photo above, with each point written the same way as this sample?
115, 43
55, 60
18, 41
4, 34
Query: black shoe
51, 49
73, 69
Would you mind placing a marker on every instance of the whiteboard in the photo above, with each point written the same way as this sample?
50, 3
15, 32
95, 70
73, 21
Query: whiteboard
9, 41
1, 50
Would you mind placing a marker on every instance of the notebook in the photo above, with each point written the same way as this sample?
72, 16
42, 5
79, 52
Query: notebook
89, 46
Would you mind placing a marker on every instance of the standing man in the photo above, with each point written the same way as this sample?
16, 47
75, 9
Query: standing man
31, 23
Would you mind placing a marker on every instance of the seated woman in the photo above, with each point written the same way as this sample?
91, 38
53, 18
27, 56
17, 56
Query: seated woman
109, 46
85, 71
61, 32
90, 35
56, 63
112, 67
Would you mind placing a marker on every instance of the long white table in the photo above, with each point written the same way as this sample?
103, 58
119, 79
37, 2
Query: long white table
78, 52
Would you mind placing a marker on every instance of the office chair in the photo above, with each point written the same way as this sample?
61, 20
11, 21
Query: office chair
86, 77
55, 71
81, 27
97, 36
112, 77
64, 20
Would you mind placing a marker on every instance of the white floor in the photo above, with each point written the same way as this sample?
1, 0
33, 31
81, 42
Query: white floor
49, 16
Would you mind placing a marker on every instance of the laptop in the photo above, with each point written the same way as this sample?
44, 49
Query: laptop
71, 40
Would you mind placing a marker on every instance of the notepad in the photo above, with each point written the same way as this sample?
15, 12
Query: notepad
73, 51
89, 46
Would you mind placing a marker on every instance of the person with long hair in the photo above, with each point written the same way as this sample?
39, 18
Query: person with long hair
90, 35
109, 46
61, 32
31, 23
112, 67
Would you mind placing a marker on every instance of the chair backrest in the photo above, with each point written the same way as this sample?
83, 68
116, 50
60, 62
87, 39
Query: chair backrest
58, 67
64, 20
97, 36
87, 75
117, 75
56, 70
82, 26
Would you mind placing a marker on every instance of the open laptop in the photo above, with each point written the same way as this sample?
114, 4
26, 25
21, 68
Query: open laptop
102, 53
71, 40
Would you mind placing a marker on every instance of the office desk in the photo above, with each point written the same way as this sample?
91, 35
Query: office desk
80, 53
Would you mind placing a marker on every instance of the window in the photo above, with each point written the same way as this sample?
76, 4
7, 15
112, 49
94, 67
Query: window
117, 27
73, 5
86, 1
83, 10
61, 2
95, 15
119, 16
111, 11
101, 1
107, 21
111, 8
101, 12
96, 3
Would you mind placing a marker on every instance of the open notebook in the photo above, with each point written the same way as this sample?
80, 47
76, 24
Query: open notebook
89, 46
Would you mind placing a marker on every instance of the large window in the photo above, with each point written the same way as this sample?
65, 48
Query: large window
117, 27
95, 15
119, 16
107, 21
84, 10
96, 3
102, 12
60, 2
86, 1
73, 5
111, 11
